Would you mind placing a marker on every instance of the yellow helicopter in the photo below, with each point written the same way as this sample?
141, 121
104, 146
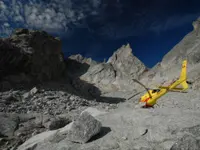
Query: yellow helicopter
151, 97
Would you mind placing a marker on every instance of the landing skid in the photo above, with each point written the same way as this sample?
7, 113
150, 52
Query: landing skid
147, 106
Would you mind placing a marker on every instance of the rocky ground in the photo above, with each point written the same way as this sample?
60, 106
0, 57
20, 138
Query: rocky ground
172, 125
24, 114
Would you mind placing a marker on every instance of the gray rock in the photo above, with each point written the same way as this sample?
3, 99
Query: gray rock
79, 58
187, 142
58, 122
33, 91
8, 124
84, 128
12, 97
125, 62
30, 93
37, 139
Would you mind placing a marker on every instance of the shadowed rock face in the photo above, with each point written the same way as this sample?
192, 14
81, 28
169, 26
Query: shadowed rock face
34, 53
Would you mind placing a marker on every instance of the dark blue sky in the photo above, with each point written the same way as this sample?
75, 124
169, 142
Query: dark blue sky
149, 48
96, 28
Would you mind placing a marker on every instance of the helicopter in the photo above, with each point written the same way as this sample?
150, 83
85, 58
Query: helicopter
152, 95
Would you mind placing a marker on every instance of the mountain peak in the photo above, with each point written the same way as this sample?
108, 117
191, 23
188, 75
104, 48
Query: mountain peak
196, 25
124, 60
123, 52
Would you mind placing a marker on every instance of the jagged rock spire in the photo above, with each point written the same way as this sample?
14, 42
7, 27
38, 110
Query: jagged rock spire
124, 60
196, 25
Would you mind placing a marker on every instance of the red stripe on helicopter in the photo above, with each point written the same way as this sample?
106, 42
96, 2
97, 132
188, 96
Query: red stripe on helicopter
146, 99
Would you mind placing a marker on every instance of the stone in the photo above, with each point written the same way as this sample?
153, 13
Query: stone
12, 98
83, 129
37, 139
57, 123
79, 58
187, 142
8, 125
31, 93
94, 111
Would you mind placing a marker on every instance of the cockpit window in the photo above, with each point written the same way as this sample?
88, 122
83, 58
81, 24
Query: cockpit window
155, 90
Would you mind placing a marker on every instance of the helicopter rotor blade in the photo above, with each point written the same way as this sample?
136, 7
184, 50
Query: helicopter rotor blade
147, 89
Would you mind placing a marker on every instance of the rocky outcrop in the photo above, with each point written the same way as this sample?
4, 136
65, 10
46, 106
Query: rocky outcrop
79, 58
34, 54
77, 65
102, 75
117, 73
126, 63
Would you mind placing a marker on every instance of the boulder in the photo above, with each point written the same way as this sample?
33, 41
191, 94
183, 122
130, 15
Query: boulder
83, 129
8, 125
94, 111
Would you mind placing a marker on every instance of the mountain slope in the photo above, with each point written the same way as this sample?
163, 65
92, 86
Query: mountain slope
170, 66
